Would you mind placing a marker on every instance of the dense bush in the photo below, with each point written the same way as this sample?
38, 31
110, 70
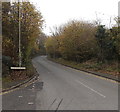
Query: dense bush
80, 41
73, 41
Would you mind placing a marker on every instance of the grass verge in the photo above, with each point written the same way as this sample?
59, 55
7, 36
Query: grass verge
110, 68
14, 77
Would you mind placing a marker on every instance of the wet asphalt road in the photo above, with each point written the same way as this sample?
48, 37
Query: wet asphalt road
64, 89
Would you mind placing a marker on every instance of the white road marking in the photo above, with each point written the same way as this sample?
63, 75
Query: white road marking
30, 103
90, 88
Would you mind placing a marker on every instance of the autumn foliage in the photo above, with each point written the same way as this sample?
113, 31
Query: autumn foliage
80, 41
30, 28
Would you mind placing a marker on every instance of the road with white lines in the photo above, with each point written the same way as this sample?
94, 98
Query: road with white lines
64, 89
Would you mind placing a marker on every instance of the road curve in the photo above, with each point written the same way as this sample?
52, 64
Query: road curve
70, 89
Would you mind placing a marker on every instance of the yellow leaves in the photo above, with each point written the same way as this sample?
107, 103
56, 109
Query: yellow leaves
73, 39
31, 24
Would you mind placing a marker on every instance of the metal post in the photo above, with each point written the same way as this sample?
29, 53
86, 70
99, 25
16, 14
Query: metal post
20, 53
20, 57
118, 14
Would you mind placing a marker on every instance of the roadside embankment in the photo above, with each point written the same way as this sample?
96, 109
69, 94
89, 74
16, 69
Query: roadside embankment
110, 71
17, 78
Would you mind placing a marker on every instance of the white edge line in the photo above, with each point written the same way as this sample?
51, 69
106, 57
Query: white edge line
91, 89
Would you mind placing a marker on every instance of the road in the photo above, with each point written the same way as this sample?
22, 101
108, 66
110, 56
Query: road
64, 89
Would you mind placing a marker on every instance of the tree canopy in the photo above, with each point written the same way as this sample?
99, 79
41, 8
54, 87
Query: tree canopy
31, 27
80, 41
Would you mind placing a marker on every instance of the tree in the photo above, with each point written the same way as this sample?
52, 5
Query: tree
106, 42
78, 42
73, 41
31, 27
100, 36
40, 45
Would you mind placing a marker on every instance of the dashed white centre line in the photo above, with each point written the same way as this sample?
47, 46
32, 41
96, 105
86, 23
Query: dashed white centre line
91, 89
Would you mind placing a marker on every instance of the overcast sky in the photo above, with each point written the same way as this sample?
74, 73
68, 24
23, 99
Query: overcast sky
57, 12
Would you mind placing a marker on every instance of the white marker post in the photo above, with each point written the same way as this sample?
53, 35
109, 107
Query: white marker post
20, 56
